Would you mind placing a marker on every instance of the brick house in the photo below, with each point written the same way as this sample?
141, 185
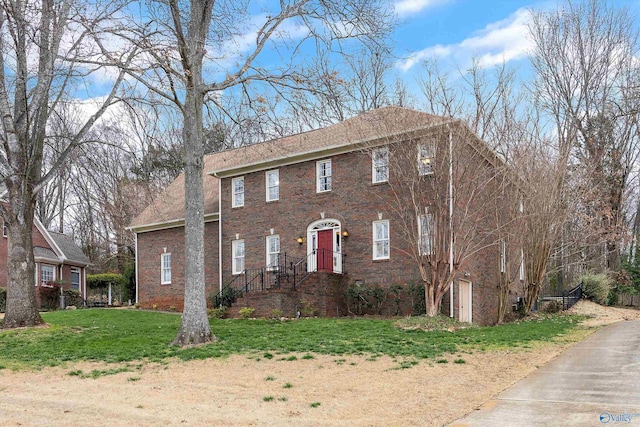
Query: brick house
57, 257
292, 223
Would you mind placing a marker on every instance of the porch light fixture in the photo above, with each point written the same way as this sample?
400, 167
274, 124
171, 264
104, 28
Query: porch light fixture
300, 240
345, 233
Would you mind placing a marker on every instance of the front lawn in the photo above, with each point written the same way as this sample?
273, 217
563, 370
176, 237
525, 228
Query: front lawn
130, 335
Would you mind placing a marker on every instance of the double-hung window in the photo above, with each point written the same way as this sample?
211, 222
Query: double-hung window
323, 176
75, 278
165, 268
47, 274
425, 158
237, 185
272, 179
273, 251
521, 264
237, 261
381, 239
426, 232
380, 165
503, 256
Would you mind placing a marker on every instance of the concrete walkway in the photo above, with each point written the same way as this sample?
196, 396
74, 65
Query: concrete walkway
594, 383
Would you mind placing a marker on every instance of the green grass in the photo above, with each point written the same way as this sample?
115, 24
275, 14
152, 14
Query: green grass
133, 335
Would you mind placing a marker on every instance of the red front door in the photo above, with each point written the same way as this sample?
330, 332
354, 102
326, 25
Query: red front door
325, 250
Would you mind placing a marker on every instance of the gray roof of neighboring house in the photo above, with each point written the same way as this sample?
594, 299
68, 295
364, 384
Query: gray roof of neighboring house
68, 246
46, 253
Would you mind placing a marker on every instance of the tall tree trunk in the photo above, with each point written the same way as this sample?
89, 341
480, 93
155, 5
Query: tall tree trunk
195, 327
21, 307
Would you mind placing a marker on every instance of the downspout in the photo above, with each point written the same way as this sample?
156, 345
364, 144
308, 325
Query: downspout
450, 220
220, 233
137, 266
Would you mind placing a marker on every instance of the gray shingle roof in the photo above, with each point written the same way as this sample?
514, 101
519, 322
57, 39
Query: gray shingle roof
46, 253
71, 251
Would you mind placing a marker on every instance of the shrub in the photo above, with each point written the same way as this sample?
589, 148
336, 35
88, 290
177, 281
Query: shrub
130, 280
276, 313
246, 312
553, 307
596, 287
95, 281
307, 310
72, 297
50, 295
396, 291
226, 298
217, 313
3, 300
416, 291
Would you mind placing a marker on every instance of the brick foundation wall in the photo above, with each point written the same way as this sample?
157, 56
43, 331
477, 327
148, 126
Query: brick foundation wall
321, 294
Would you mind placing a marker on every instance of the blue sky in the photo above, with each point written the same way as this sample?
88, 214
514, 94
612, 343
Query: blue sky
454, 31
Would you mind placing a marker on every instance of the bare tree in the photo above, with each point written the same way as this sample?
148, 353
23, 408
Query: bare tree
586, 80
444, 184
41, 46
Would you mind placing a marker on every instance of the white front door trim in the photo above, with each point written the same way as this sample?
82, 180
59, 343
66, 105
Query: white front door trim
312, 243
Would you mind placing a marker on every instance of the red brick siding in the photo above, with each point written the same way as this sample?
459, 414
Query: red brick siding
356, 203
151, 245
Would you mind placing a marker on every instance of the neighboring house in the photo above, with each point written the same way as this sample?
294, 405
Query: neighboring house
290, 223
57, 257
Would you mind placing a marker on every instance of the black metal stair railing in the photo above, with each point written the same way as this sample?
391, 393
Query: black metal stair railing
286, 271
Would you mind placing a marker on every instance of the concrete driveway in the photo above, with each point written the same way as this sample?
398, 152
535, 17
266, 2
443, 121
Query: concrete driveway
594, 383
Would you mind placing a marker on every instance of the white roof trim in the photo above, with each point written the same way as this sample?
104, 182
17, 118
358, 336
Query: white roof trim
49, 239
46, 260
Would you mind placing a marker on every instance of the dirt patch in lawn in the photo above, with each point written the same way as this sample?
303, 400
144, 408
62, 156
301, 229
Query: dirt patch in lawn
254, 390
601, 315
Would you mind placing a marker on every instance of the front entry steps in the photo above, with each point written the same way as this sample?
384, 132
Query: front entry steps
321, 294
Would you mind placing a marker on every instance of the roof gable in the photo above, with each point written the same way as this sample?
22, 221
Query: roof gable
70, 251
168, 207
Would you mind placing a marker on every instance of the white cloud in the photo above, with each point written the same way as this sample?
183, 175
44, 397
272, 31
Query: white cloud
498, 42
432, 52
406, 7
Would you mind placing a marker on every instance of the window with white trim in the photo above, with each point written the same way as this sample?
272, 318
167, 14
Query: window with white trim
165, 268
237, 186
323, 176
425, 158
47, 274
273, 251
5, 232
522, 264
237, 261
425, 233
503, 256
75, 278
380, 165
381, 239
272, 180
